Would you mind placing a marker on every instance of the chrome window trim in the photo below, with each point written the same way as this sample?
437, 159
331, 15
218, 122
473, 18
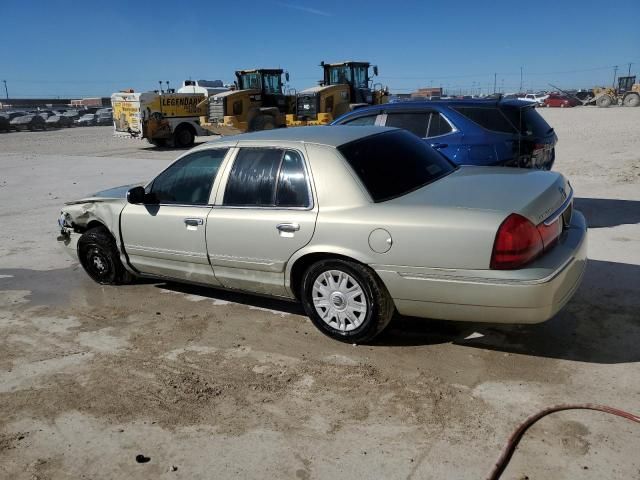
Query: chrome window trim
454, 129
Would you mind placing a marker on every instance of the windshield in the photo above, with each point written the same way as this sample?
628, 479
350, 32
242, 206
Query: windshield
250, 81
360, 76
272, 83
393, 164
339, 75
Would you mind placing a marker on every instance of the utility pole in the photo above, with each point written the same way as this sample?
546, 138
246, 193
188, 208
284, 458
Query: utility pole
615, 73
7, 91
495, 79
520, 79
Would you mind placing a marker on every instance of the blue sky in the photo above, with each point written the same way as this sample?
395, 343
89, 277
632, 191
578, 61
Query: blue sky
91, 47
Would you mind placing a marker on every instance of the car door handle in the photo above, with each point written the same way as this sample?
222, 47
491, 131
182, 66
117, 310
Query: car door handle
439, 145
288, 227
193, 222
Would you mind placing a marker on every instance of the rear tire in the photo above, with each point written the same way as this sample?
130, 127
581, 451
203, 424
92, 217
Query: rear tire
183, 137
262, 122
346, 300
631, 100
100, 258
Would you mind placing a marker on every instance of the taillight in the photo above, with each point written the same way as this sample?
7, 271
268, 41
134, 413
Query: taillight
550, 233
517, 242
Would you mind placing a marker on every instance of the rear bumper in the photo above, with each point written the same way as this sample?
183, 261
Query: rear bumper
530, 295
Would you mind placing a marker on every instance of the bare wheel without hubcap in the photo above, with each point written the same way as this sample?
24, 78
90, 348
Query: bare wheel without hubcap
339, 300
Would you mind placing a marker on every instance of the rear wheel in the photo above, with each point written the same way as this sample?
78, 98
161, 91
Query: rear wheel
100, 258
262, 122
631, 100
183, 137
346, 300
604, 101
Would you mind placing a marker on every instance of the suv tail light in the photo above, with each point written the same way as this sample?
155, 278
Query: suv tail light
519, 241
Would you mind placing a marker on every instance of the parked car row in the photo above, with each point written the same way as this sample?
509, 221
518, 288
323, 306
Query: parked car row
43, 119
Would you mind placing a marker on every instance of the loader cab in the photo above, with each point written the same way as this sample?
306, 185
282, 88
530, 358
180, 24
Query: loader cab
354, 74
268, 82
625, 84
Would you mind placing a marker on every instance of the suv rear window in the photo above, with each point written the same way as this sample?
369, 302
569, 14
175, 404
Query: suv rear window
393, 164
527, 119
487, 117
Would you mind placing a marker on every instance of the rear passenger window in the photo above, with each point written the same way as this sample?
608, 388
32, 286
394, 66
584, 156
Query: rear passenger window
267, 177
362, 121
438, 126
416, 123
487, 117
253, 177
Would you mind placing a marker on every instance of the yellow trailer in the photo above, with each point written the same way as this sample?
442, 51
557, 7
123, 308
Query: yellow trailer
164, 119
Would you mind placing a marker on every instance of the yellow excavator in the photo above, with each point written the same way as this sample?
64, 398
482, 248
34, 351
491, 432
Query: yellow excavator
258, 102
345, 87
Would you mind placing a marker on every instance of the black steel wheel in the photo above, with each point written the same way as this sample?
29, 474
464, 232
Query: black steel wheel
100, 258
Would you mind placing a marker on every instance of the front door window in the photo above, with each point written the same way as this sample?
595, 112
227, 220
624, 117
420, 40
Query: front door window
189, 180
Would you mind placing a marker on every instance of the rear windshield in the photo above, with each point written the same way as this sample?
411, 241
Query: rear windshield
395, 163
528, 120
488, 117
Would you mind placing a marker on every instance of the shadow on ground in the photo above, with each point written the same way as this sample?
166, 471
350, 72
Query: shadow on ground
604, 212
601, 324
199, 141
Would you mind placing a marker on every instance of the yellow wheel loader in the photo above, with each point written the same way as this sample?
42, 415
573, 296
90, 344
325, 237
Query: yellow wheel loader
345, 87
257, 103
627, 93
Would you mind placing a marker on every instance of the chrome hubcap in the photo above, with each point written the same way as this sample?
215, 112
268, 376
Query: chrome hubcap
339, 300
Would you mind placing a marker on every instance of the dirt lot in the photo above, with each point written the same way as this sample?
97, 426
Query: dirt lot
209, 384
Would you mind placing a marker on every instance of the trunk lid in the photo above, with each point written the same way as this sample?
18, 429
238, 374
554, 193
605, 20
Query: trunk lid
533, 194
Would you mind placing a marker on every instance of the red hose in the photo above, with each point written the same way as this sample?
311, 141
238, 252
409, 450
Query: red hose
516, 436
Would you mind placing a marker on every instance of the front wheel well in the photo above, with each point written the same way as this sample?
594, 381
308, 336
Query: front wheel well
303, 263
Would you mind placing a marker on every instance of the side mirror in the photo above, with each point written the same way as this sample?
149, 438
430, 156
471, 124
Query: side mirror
136, 195
375, 70
286, 76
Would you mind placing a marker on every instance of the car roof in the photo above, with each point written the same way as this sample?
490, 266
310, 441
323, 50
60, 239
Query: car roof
427, 104
333, 136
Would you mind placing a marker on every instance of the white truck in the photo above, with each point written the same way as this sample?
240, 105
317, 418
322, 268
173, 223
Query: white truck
164, 119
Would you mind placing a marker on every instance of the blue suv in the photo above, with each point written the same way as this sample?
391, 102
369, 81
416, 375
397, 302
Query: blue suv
470, 132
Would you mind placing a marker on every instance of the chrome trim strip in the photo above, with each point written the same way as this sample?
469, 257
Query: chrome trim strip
558, 213
483, 280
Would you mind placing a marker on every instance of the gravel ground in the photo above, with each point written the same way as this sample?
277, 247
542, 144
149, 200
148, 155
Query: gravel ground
209, 384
